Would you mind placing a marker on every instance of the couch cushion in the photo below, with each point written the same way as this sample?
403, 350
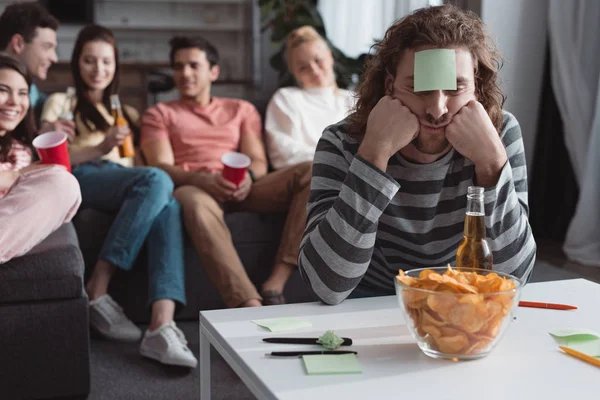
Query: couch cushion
51, 270
254, 228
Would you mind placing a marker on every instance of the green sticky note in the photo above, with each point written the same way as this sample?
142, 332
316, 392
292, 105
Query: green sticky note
328, 364
435, 69
573, 335
282, 324
584, 341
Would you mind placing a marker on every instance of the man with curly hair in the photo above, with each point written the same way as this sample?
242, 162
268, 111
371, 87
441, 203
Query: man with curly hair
389, 182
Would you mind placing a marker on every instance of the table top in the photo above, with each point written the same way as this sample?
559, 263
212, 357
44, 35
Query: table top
526, 364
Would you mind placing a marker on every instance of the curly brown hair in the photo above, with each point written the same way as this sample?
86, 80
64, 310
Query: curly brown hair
442, 26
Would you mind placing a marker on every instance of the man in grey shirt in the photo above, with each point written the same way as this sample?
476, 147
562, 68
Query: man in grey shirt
389, 182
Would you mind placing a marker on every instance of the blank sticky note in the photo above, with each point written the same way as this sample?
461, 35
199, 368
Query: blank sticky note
328, 364
435, 69
282, 324
584, 341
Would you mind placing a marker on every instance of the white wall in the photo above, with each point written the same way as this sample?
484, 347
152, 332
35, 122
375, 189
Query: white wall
519, 27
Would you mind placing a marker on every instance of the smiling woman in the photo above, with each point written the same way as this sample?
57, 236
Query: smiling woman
26, 192
140, 197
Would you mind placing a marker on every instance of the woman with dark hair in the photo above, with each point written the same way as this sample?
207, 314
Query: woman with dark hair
140, 197
27, 192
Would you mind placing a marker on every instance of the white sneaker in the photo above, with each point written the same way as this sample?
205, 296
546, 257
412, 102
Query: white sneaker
107, 317
167, 344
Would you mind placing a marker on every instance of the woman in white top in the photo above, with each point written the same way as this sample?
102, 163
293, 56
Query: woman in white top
297, 116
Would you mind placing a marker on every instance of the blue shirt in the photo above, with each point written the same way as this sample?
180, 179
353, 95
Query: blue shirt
36, 98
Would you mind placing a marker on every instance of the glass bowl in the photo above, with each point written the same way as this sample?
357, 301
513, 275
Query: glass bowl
448, 321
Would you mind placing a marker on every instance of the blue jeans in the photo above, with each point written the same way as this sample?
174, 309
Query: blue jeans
145, 209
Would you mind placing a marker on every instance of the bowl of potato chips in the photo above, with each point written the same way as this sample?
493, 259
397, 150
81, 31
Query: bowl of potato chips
457, 314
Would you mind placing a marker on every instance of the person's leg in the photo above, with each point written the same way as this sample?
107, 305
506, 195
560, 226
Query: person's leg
163, 341
280, 191
137, 196
205, 223
37, 204
166, 269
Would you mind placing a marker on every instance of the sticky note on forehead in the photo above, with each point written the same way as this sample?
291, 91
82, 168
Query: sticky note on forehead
435, 69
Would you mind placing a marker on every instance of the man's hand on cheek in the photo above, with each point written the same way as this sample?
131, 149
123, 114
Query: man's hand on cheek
391, 126
473, 135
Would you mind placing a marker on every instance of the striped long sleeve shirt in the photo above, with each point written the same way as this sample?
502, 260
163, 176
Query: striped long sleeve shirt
363, 224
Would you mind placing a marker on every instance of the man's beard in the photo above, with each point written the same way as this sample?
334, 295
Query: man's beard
432, 146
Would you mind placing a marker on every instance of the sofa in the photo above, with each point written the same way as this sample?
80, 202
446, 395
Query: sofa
255, 236
44, 335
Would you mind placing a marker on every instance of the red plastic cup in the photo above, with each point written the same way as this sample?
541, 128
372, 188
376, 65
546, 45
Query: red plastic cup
235, 166
52, 149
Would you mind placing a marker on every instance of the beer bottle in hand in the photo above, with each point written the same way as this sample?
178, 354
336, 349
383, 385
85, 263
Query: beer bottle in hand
126, 149
474, 250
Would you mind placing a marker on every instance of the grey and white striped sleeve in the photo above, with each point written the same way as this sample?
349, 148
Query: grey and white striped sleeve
345, 204
506, 206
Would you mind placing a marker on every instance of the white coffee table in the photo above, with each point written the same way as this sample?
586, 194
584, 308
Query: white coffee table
527, 364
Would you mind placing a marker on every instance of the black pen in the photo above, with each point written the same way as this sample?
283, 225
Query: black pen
346, 341
307, 353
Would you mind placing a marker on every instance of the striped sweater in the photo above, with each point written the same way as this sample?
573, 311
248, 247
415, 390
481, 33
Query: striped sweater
363, 224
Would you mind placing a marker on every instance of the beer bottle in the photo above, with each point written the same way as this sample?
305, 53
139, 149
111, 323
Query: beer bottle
67, 110
474, 250
126, 149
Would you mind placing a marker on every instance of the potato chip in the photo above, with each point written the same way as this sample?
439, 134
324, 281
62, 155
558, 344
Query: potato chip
478, 346
468, 316
441, 303
432, 330
452, 344
428, 319
458, 286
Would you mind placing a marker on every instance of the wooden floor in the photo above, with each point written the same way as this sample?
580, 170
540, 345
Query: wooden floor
551, 252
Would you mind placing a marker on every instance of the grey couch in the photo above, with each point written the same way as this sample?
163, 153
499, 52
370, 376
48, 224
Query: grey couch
255, 236
44, 335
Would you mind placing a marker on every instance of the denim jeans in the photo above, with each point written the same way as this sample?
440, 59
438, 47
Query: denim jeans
145, 210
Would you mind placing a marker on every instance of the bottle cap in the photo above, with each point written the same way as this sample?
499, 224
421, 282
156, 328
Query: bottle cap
475, 190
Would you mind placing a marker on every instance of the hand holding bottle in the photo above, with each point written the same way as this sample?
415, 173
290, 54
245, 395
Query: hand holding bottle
126, 147
115, 136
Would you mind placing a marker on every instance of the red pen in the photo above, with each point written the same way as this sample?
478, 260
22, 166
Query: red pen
546, 305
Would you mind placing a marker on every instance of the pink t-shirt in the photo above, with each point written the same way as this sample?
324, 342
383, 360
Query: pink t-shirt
200, 135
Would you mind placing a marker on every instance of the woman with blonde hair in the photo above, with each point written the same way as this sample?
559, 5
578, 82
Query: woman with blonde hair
297, 116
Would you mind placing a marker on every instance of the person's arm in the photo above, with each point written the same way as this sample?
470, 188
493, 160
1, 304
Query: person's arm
285, 146
159, 153
253, 147
347, 198
49, 118
251, 142
508, 230
157, 149
78, 154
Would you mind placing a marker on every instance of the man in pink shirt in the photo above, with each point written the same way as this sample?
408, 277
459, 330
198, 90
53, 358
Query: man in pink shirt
187, 138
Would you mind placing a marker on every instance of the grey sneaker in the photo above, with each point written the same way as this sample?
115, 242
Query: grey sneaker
167, 344
107, 317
